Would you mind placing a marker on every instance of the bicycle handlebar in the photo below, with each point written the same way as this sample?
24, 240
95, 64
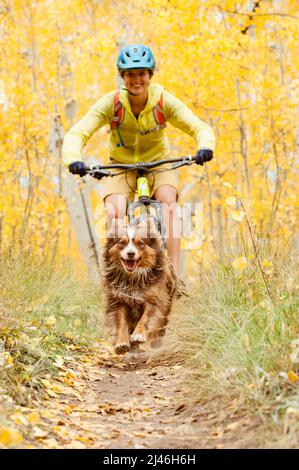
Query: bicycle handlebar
102, 169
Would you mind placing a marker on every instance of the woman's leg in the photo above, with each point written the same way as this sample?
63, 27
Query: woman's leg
168, 196
116, 207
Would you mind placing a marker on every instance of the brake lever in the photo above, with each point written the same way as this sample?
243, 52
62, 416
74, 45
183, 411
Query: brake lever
184, 163
98, 174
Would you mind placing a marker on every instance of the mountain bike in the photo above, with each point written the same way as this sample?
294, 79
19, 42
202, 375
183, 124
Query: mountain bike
145, 205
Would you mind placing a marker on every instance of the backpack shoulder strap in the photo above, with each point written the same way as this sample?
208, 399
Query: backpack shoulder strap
118, 114
159, 114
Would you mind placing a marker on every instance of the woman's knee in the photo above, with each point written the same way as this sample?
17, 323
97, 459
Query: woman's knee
116, 206
167, 195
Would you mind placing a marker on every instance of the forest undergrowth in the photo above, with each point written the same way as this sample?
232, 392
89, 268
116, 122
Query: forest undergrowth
235, 338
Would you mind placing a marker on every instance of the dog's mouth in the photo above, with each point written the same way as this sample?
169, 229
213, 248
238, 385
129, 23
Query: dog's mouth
130, 264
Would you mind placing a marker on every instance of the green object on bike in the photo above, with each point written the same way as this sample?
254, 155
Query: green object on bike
143, 187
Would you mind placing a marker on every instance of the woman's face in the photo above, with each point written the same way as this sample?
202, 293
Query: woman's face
137, 81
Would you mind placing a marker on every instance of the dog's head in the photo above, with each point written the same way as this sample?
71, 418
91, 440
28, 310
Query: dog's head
133, 247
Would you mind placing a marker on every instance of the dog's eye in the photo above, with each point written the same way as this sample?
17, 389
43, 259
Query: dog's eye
121, 244
140, 243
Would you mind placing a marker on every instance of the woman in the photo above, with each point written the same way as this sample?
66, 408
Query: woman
137, 116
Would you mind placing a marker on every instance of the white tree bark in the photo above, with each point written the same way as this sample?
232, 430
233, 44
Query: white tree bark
76, 194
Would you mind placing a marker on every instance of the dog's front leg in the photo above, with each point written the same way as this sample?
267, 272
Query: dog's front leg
148, 323
119, 330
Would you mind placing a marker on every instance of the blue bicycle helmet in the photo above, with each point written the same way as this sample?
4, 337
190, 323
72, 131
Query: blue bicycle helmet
135, 56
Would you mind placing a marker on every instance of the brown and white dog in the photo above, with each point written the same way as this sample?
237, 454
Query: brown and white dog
140, 285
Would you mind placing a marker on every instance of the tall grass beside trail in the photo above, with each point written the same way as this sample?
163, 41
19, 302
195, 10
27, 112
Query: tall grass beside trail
237, 341
45, 312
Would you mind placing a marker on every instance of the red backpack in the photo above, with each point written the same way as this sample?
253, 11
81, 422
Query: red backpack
119, 113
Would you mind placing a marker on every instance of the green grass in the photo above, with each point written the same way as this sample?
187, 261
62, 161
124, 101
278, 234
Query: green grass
44, 312
234, 339
238, 342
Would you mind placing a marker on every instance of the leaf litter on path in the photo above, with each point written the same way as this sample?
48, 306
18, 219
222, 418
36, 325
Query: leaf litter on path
100, 400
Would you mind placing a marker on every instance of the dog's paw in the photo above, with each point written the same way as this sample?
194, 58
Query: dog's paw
137, 338
121, 348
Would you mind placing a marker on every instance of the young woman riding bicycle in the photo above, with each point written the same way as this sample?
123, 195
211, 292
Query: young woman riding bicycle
137, 115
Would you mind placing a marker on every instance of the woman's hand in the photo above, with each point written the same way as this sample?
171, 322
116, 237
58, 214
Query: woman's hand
204, 155
78, 168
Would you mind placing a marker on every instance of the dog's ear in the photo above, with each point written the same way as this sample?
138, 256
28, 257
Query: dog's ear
117, 229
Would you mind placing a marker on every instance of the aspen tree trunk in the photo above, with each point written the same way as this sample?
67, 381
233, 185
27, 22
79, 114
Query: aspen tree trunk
186, 221
1, 226
243, 140
76, 193
77, 198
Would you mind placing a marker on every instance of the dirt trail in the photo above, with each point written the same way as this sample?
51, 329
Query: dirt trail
147, 406
130, 402
96, 399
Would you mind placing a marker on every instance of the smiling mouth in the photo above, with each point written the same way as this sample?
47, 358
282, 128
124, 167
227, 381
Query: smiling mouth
130, 264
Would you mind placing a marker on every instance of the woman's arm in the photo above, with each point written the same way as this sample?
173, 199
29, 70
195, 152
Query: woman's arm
77, 137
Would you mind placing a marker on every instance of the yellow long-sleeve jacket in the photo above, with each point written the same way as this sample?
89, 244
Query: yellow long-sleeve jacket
138, 145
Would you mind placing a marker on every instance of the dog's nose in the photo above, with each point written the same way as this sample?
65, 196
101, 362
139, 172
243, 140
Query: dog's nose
130, 254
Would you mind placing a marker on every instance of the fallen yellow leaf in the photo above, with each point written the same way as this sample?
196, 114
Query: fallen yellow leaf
140, 434
293, 377
245, 342
4, 330
59, 361
232, 426
72, 347
68, 410
50, 443
39, 433
10, 437
69, 335
238, 216
252, 386
34, 417
18, 418
231, 201
51, 393
240, 263
85, 440
58, 389
46, 383
71, 375
68, 382
267, 264
50, 321
47, 414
